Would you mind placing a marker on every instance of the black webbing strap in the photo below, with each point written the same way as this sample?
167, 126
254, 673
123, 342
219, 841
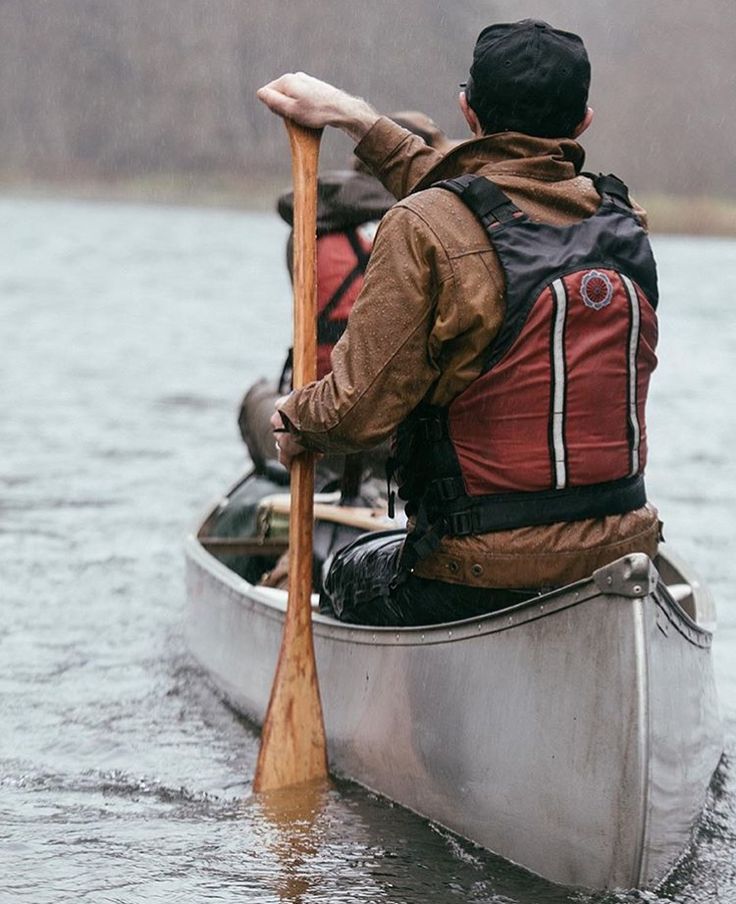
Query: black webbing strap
507, 511
286, 380
504, 511
608, 184
361, 254
484, 198
390, 470
418, 544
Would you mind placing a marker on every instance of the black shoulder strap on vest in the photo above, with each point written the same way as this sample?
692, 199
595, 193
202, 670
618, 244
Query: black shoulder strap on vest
492, 207
361, 254
609, 184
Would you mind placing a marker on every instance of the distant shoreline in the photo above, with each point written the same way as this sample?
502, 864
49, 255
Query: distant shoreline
179, 190
667, 213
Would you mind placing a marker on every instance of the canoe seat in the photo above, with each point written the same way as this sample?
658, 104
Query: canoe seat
680, 592
683, 595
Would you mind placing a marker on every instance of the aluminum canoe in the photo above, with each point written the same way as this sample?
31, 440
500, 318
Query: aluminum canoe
575, 734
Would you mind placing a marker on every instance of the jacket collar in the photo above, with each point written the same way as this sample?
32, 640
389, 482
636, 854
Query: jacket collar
511, 154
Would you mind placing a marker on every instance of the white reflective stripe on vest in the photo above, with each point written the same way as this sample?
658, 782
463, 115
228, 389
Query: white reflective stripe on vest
559, 380
632, 368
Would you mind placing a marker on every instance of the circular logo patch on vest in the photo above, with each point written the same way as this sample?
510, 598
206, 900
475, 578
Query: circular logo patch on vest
596, 289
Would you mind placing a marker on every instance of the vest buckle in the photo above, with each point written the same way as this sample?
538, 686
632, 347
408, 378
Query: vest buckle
432, 430
447, 489
460, 524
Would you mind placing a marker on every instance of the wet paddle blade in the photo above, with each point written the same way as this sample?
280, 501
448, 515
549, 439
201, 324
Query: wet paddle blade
293, 745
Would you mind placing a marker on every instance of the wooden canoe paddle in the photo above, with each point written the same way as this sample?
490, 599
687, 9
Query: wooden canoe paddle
293, 746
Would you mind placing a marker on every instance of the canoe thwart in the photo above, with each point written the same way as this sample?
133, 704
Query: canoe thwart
244, 546
274, 510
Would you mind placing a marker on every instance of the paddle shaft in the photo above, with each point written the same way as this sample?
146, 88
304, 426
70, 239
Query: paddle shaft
293, 746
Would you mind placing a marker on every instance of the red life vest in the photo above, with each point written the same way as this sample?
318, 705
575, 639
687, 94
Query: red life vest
554, 427
565, 406
342, 258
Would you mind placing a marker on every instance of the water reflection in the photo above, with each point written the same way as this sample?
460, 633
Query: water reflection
296, 818
339, 843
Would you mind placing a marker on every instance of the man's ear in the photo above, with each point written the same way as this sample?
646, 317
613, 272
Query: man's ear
584, 122
470, 115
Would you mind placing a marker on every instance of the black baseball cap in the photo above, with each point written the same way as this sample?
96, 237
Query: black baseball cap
529, 77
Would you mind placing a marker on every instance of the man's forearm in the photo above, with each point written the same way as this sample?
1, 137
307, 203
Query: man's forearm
316, 104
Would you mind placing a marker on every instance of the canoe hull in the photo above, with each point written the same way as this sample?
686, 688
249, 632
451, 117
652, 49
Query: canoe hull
575, 735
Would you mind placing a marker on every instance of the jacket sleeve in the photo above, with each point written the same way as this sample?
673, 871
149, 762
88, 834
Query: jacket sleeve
396, 156
381, 367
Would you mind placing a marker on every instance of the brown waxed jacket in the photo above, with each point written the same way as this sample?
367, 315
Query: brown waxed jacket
432, 301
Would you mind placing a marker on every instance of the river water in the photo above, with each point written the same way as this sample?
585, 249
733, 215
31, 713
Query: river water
128, 335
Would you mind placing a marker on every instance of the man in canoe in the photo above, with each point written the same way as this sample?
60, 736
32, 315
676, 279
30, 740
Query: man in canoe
505, 336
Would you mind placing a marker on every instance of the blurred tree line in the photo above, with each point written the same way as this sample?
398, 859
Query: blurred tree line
118, 88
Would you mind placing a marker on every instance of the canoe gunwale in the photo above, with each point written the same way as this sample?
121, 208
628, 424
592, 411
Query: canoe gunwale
637, 575
679, 619
640, 577
272, 604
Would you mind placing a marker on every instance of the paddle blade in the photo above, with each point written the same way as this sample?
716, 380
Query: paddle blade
293, 748
293, 745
